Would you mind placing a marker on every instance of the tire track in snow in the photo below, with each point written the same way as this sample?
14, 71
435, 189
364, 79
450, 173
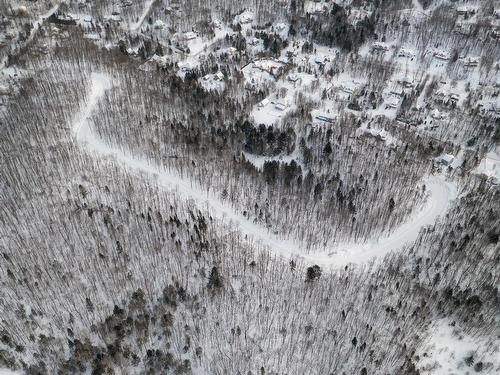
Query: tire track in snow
441, 193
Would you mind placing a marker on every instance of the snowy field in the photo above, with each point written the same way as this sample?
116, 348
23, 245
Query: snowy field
448, 350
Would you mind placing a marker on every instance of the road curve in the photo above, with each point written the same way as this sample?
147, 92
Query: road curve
440, 195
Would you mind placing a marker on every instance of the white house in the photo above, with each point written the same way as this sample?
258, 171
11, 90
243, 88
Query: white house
190, 35
280, 106
263, 103
441, 55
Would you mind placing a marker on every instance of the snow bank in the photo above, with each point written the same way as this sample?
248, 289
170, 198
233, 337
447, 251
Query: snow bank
448, 350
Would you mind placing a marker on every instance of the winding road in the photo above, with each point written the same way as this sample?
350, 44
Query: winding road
441, 194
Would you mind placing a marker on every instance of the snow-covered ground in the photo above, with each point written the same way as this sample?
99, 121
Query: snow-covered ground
490, 166
383, 134
282, 100
441, 193
198, 48
213, 82
449, 351
260, 72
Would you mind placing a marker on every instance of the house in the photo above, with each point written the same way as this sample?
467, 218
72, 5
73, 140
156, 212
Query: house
263, 103
245, 17
379, 47
251, 85
403, 52
254, 42
406, 82
190, 35
398, 93
280, 106
92, 36
315, 7
21, 11
327, 119
445, 160
454, 98
493, 180
273, 67
495, 108
114, 18
186, 66
393, 102
293, 78
280, 27
462, 29
321, 60
219, 76
489, 108
347, 88
393, 98
61, 19
440, 97
5, 90
406, 121
465, 11
151, 64
436, 115
471, 62
441, 55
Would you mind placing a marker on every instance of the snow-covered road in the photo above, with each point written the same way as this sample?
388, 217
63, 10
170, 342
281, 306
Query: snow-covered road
441, 194
140, 21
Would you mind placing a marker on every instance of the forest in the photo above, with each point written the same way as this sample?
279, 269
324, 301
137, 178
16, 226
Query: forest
249, 187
